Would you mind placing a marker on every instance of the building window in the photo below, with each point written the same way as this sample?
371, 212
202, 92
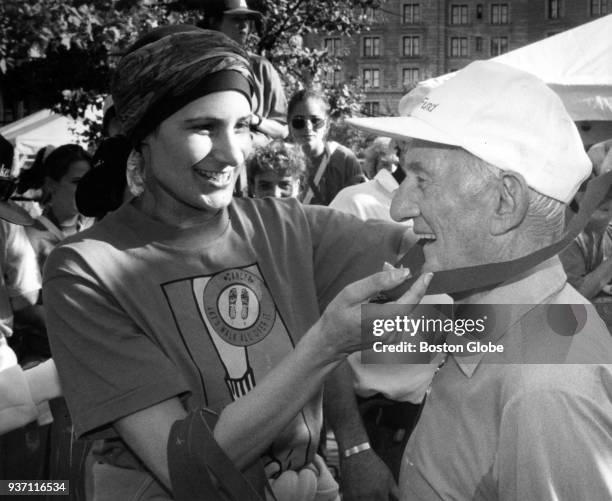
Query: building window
371, 78
370, 13
499, 13
371, 46
478, 44
459, 14
332, 46
599, 7
411, 13
333, 77
410, 76
499, 45
553, 9
458, 47
411, 46
479, 10
371, 108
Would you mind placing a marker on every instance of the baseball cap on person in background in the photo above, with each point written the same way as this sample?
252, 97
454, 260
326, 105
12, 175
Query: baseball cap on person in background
238, 8
507, 117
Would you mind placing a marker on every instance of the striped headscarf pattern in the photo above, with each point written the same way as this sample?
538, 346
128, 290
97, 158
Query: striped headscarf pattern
158, 78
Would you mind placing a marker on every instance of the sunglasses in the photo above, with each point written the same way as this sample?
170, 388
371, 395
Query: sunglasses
299, 122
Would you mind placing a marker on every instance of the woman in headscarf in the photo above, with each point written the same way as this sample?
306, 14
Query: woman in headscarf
185, 299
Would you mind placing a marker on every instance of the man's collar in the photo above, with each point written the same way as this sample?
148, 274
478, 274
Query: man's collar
521, 294
386, 180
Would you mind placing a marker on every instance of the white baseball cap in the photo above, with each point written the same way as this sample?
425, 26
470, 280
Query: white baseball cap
507, 117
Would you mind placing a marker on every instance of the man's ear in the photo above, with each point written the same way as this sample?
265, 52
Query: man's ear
512, 203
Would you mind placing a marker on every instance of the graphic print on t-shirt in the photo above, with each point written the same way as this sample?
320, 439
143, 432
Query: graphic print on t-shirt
235, 335
236, 314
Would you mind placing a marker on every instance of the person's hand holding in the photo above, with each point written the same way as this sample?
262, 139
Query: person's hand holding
339, 328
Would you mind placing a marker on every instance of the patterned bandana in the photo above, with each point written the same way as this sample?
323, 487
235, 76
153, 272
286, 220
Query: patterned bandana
157, 79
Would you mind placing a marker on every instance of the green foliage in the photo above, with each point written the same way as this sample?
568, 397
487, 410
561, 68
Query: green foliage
60, 53
289, 22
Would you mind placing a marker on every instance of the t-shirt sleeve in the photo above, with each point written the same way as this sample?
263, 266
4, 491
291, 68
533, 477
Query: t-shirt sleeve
555, 445
108, 367
347, 249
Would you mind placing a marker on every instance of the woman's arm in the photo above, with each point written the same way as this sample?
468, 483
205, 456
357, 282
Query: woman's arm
246, 427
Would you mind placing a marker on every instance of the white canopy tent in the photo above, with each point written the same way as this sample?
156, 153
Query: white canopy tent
40, 129
576, 64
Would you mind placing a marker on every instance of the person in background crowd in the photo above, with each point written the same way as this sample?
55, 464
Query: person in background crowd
388, 395
23, 393
331, 166
234, 19
372, 199
587, 260
276, 170
58, 177
487, 183
140, 350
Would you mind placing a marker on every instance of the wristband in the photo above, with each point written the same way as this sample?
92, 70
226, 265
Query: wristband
351, 451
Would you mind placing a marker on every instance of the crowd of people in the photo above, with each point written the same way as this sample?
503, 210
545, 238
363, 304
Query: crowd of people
199, 315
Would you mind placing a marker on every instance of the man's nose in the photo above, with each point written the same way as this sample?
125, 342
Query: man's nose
403, 207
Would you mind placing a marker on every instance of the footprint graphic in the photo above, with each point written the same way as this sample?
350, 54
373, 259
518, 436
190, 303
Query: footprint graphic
233, 296
244, 299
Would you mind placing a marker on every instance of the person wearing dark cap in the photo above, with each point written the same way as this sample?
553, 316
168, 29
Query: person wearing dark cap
235, 19
185, 298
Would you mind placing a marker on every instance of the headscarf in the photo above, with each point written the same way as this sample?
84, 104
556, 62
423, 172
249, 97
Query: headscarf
156, 79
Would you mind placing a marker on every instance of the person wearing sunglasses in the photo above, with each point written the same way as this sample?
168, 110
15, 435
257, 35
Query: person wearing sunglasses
331, 166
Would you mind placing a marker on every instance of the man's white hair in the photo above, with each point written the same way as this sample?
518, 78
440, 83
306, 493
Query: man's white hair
545, 216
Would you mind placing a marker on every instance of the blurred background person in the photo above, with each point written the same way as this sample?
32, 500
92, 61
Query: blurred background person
58, 176
331, 166
276, 170
587, 259
372, 199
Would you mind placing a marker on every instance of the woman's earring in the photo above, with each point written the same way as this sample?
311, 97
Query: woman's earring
134, 173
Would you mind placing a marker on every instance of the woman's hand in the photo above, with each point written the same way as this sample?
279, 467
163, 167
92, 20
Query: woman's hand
339, 329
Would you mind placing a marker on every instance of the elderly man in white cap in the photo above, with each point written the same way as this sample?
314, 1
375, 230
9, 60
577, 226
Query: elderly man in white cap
492, 161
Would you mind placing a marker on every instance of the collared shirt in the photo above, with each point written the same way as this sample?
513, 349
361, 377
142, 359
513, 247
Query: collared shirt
493, 430
369, 200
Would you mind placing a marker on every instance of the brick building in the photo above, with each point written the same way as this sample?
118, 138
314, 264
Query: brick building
413, 40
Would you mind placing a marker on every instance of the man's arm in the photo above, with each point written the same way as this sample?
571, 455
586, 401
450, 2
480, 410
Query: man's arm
363, 475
